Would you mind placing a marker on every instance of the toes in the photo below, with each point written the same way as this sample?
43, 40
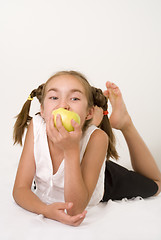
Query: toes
106, 93
116, 90
108, 84
111, 85
112, 88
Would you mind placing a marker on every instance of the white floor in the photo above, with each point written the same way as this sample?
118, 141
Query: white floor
116, 220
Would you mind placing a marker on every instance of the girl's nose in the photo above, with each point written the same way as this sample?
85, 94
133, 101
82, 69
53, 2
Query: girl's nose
64, 105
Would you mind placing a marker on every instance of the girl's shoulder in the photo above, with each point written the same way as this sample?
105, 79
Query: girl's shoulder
92, 136
98, 138
99, 135
92, 130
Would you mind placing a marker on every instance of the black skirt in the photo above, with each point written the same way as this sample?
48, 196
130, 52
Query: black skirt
123, 183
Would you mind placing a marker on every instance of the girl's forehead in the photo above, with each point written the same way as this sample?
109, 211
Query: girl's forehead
65, 82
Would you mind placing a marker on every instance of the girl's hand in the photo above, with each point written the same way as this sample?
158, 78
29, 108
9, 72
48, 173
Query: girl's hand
56, 211
60, 136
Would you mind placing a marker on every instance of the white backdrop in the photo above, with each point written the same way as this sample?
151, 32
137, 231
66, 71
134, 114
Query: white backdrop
117, 40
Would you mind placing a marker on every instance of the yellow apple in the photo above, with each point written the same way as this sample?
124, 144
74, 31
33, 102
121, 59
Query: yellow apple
66, 117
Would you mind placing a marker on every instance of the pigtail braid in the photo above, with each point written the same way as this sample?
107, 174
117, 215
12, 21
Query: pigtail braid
40, 93
23, 118
101, 101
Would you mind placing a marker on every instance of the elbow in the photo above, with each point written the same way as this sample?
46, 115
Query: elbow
13, 193
16, 194
77, 207
75, 211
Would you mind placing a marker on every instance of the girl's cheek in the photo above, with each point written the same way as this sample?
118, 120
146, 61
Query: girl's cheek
83, 119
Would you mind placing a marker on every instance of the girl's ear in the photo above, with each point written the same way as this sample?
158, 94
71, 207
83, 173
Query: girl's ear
90, 113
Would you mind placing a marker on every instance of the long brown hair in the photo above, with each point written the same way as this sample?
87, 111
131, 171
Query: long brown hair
94, 96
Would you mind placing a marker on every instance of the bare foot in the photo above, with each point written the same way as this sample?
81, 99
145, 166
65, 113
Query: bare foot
97, 116
119, 118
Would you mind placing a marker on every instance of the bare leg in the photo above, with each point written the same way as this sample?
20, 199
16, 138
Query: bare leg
141, 158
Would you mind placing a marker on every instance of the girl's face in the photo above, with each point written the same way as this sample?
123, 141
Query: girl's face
66, 92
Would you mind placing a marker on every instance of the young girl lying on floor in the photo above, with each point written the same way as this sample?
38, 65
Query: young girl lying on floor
72, 170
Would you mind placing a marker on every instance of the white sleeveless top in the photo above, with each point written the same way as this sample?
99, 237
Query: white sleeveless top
49, 187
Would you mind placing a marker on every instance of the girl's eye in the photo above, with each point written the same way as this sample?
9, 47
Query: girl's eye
75, 99
54, 98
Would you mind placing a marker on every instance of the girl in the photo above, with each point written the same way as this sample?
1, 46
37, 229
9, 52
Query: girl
68, 168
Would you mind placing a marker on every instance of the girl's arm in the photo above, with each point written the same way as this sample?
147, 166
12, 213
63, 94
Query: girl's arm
27, 199
22, 188
79, 179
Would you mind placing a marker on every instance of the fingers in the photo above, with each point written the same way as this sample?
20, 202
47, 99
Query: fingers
51, 130
66, 218
60, 136
78, 219
75, 125
64, 206
55, 131
61, 129
74, 220
59, 125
